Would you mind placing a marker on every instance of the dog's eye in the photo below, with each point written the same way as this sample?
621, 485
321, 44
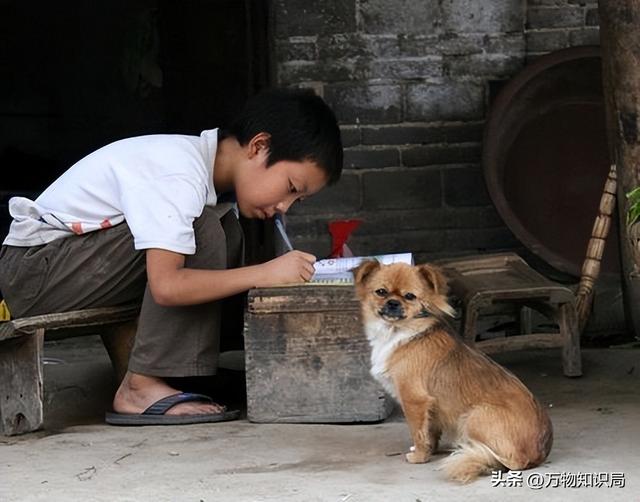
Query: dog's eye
409, 296
381, 292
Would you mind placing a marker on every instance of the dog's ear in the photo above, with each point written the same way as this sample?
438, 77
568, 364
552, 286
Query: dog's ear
438, 282
363, 271
435, 278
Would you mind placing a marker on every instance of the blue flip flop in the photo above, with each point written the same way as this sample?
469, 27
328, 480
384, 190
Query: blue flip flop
155, 414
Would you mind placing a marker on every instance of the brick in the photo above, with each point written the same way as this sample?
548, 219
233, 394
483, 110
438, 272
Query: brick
450, 101
488, 17
306, 225
460, 44
428, 218
410, 134
505, 43
428, 233
320, 247
592, 17
287, 50
384, 46
350, 136
465, 186
479, 240
397, 189
341, 46
547, 3
586, 36
312, 18
418, 45
400, 16
547, 40
371, 158
406, 69
562, 17
343, 196
441, 154
351, 45
483, 65
354, 104
378, 222
398, 241
331, 71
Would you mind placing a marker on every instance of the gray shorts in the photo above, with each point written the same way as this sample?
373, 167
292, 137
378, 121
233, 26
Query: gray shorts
102, 269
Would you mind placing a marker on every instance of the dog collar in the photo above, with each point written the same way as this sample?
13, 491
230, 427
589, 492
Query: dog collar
423, 313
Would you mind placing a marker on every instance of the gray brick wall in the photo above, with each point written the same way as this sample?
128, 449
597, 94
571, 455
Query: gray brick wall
409, 81
556, 24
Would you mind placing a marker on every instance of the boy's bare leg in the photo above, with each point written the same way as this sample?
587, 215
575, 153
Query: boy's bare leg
119, 341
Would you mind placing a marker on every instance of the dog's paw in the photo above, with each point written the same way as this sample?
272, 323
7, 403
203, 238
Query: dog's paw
416, 457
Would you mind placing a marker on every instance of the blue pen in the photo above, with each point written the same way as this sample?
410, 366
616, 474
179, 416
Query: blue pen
283, 232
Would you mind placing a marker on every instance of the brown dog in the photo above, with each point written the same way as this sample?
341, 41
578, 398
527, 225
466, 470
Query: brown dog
443, 385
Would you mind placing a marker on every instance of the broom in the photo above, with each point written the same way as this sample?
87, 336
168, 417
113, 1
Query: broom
595, 249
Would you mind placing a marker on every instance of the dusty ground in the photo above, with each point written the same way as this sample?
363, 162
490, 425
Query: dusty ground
78, 458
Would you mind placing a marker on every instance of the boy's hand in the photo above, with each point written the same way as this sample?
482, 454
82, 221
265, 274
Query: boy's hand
290, 268
172, 284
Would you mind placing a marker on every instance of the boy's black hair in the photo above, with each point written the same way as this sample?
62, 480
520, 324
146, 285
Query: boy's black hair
301, 126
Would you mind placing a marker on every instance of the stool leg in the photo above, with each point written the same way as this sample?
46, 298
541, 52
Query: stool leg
525, 320
21, 383
571, 357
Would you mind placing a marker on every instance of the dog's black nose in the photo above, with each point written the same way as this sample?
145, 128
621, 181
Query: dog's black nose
392, 309
393, 305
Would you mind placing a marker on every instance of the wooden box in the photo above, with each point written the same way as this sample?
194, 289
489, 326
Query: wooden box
307, 358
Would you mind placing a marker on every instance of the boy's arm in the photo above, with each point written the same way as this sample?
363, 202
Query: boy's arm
172, 284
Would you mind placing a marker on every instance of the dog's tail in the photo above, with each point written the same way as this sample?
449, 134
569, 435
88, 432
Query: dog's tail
470, 460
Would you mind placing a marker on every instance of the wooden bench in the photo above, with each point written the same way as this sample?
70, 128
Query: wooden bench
21, 345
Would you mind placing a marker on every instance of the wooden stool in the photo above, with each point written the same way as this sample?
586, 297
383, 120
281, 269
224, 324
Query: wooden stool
482, 280
21, 343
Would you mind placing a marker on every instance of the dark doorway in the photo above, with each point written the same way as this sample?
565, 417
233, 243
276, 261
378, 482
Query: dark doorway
77, 75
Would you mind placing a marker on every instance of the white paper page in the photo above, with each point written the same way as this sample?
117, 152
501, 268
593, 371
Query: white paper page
344, 265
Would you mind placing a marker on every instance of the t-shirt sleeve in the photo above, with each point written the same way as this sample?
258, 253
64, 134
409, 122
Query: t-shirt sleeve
160, 214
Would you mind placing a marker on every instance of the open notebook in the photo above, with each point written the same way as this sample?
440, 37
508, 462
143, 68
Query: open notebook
338, 270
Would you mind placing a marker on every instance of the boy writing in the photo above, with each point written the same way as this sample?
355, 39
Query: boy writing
139, 220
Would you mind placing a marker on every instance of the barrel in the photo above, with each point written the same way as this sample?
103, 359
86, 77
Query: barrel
545, 157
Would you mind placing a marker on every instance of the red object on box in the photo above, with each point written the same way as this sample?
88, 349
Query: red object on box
340, 231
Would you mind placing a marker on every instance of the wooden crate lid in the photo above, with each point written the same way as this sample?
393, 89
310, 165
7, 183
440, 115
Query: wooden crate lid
306, 298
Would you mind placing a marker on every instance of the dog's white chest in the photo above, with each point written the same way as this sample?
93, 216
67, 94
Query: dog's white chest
384, 341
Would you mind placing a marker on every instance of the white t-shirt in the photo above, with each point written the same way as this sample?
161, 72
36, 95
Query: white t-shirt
159, 184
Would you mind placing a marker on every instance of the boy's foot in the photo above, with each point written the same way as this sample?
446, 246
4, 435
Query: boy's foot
137, 392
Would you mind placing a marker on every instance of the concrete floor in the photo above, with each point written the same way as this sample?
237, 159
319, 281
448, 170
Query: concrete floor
78, 458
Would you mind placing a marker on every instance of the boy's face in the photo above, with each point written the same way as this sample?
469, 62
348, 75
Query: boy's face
263, 191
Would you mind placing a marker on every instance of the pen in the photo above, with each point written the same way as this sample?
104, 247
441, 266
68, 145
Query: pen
283, 233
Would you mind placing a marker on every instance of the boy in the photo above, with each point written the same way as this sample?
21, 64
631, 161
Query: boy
139, 219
